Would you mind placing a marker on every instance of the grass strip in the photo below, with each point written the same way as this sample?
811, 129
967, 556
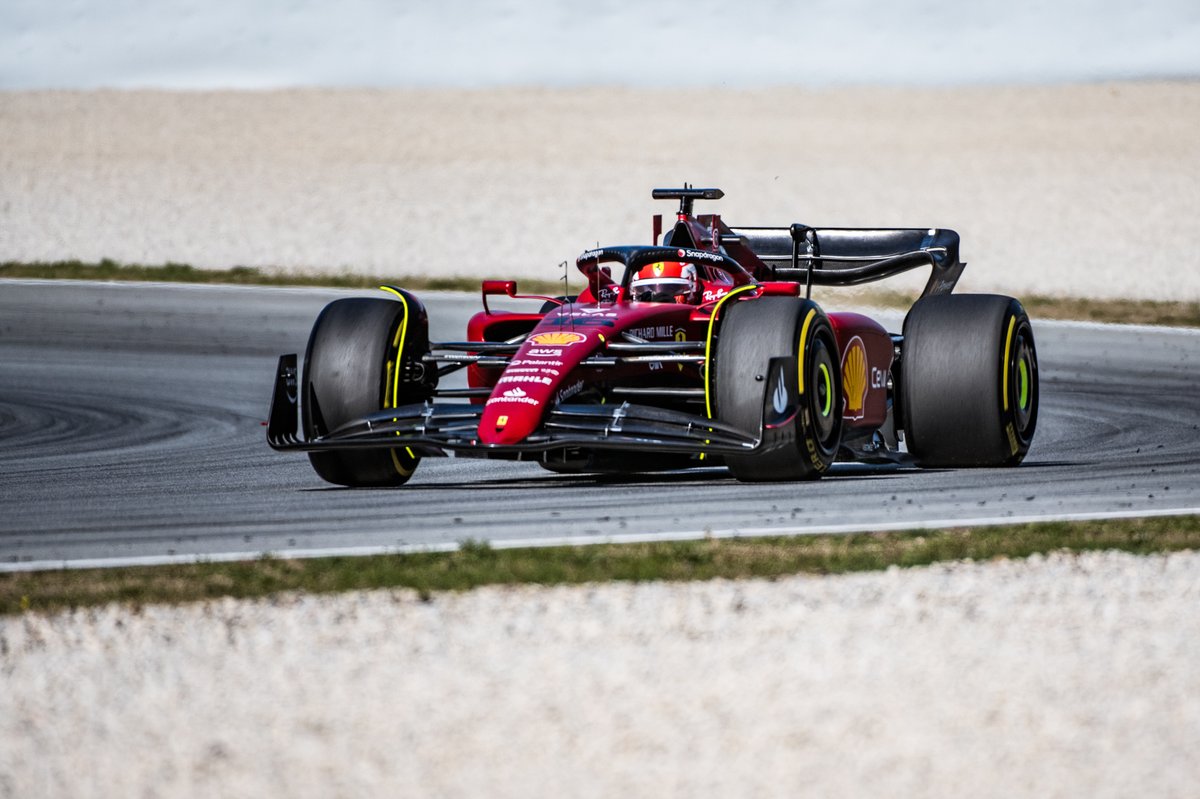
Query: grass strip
248, 276
1041, 306
477, 564
1144, 312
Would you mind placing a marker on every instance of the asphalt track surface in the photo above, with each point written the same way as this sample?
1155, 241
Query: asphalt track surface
131, 431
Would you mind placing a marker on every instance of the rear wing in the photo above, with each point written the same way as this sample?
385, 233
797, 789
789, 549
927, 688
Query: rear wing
846, 256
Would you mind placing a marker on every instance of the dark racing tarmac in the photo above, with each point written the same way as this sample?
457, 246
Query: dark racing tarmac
131, 430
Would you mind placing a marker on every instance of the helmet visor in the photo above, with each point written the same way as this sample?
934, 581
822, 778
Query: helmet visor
659, 289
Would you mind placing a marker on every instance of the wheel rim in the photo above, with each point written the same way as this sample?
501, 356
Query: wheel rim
824, 390
1024, 377
1023, 385
821, 400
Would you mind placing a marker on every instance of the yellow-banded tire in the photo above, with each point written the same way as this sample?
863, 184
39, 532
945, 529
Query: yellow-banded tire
350, 370
968, 381
753, 332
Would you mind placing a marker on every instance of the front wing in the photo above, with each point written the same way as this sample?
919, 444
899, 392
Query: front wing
451, 428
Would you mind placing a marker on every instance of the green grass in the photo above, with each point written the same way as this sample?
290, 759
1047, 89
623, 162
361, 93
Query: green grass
1040, 306
1133, 312
476, 564
1177, 314
246, 276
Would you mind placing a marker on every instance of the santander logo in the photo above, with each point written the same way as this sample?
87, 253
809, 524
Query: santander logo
515, 394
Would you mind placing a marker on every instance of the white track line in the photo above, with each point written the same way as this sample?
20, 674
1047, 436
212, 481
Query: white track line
584, 540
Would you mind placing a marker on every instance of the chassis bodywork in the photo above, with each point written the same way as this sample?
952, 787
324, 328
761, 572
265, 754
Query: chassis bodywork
589, 381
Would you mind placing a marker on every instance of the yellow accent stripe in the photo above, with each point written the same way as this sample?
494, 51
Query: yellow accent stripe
1004, 366
803, 340
712, 321
396, 462
398, 343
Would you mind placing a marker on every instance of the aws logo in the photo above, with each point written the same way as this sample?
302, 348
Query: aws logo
563, 339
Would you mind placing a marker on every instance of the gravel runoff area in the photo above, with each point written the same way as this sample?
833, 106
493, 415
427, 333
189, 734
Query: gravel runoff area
1053, 676
1085, 190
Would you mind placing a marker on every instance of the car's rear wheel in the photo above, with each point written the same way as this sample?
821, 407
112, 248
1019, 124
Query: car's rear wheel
969, 381
753, 332
363, 356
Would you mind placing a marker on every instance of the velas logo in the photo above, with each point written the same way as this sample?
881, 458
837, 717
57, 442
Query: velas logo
779, 399
515, 392
854, 378
564, 339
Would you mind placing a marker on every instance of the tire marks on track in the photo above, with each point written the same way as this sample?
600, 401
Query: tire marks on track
130, 428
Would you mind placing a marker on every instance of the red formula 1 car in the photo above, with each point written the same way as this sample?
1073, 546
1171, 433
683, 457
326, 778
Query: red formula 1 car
703, 349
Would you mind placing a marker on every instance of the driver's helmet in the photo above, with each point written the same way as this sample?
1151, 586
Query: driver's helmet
666, 281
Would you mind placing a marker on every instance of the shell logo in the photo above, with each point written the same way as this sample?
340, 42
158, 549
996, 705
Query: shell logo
563, 339
854, 378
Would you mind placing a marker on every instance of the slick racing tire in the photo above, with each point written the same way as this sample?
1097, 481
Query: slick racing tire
753, 332
969, 381
350, 370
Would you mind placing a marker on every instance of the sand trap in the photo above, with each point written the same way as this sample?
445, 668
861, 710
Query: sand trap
1087, 190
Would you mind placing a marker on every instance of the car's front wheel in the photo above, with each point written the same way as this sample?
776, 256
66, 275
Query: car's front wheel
363, 356
753, 332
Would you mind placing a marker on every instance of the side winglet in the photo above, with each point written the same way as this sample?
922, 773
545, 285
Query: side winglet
284, 419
